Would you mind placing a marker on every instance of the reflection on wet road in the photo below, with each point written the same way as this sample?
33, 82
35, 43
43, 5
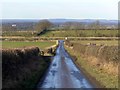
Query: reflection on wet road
63, 73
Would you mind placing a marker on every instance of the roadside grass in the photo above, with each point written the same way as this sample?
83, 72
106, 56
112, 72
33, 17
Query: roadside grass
81, 33
105, 79
98, 42
21, 44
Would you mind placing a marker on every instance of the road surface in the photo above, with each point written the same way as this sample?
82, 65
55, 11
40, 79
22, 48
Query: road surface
63, 73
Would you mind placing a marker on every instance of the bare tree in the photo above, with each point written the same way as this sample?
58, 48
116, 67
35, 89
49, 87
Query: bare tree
74, 25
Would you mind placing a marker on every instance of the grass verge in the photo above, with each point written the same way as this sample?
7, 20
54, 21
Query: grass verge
106, 80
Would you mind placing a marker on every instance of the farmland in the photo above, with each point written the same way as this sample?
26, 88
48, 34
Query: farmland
24, 39
28, 52
64, 33
20, 44
19, 33
98, 42
81, 33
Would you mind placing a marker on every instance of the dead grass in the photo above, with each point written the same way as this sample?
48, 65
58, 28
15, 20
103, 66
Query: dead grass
104, 72
108, 67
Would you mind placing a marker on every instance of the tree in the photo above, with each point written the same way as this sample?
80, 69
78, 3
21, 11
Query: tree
42, 26
74, 25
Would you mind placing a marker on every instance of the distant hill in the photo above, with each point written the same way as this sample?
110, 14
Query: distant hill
18, 20
86, 21
60, 21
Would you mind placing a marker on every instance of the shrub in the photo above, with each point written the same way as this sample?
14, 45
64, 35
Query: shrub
19, 65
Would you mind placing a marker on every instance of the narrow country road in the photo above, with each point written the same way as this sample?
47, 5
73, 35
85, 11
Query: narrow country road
63, 73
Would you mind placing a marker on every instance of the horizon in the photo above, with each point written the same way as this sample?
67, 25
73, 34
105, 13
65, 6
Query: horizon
54, 19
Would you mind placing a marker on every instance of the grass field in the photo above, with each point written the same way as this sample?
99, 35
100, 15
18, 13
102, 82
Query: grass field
98, 42
81, 33
18, 44
65, 33
19, 33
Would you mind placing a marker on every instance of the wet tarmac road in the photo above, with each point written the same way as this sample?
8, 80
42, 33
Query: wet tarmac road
63, 73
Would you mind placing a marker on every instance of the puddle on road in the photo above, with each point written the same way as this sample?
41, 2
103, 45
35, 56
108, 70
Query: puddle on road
53, 72
54, 64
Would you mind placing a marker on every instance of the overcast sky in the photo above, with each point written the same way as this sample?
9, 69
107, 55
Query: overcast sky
70, 9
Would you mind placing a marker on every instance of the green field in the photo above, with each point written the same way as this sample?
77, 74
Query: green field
19, 33
81, 33
65, 33
98, 42
20, 44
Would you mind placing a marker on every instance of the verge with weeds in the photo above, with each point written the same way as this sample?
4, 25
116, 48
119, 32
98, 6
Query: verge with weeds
90, 64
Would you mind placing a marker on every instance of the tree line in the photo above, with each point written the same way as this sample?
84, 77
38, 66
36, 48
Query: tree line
44, 25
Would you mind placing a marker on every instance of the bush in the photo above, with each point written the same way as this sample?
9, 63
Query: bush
18, 65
